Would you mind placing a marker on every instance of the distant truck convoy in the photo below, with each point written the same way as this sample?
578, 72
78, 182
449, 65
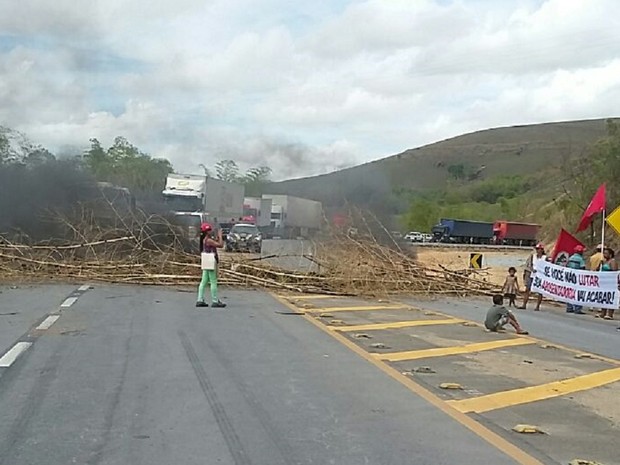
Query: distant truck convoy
221, 201
481, 232
293, 217
193, 199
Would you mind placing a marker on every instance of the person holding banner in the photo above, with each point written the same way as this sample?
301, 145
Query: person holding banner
209, 243
528, 275
576, 262
609, 264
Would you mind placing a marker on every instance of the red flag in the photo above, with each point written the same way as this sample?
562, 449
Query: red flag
596, 205
565, 245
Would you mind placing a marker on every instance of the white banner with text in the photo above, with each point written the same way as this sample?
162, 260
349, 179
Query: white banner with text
598, 289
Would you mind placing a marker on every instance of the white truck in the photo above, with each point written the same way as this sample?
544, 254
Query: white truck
293, 216
257, 211
194, 199
221, 201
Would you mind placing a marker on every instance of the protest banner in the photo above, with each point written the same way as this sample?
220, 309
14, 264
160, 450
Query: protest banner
598, 289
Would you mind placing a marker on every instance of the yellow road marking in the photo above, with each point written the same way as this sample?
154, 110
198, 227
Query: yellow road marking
455, 350
309, 297
359, 308
494, 439
397, 324
534, 393
613, 361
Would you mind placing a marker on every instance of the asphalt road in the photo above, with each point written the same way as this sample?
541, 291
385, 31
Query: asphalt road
138, 375
582, 332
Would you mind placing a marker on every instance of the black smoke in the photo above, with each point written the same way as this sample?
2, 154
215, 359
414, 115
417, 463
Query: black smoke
34, 197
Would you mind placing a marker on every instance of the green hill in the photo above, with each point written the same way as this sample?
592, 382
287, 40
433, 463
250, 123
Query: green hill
478, 156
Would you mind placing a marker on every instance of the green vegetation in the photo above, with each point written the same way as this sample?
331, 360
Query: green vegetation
554, 197
500, 197
254, 179
125, 165
584, 176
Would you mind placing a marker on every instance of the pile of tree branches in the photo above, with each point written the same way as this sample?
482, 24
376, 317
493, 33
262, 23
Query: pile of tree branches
149, 252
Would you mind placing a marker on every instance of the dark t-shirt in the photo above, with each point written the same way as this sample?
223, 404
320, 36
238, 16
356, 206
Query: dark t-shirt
494, 315
204, 247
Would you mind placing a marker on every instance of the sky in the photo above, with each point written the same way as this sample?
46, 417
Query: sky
302, 87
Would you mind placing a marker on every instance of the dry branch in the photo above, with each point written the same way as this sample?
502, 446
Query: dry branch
343, 265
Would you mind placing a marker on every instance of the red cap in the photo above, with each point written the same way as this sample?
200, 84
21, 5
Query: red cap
205, 227
579, 248
540, 245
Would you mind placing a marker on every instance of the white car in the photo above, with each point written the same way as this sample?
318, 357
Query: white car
414, 236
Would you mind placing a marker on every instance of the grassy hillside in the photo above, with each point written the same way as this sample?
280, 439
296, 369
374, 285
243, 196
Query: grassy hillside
474, 157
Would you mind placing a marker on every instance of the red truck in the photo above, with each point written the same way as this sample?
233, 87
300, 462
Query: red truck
512, 233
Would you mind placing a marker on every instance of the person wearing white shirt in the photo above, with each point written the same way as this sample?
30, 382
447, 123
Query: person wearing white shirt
530, 272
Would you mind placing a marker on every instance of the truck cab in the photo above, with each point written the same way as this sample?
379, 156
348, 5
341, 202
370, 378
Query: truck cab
277, 217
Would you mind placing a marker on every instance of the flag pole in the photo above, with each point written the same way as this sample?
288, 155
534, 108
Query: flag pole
603, 233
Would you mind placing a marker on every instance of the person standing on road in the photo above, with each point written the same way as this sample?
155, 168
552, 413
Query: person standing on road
576, 262
499, 316
609, 264
596, 260
209, 243
528, 275
511, 286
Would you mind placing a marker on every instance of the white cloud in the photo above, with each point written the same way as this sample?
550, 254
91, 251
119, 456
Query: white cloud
303, 88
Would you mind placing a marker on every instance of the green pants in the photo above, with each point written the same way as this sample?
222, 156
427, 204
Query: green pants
208, 276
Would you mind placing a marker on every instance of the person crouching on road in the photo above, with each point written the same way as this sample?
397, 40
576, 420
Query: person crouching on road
209, 243
498, 316
576, 262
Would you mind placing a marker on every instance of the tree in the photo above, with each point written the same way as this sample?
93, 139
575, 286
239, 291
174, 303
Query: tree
587, 173
227, 170
4, 147
126, 165
255, 179
457, 171
422, 215
257, 175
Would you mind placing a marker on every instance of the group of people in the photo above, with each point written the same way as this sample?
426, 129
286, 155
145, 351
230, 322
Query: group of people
498, 316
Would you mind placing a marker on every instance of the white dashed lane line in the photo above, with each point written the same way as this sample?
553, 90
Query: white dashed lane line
48, 322
20, 347
12, 355
68, 302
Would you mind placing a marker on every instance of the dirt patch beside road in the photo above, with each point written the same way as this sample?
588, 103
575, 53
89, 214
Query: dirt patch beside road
495, 264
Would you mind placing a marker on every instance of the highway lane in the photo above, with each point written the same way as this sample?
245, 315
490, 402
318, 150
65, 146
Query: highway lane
139, 375
24, 305
498, 380
552, 324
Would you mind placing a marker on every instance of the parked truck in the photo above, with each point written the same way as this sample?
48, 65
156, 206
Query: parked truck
513, 233
192, 199
293, 216
463, 231
257, 210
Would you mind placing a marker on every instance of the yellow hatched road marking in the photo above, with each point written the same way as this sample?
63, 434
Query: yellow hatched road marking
613, 361
520, 456
309, 297
534, 393
455, 350
359, 308
396, 324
